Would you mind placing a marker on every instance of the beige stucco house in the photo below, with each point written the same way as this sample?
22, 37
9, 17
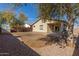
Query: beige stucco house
48, 26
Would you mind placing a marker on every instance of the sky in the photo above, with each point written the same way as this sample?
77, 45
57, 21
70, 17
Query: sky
30, 10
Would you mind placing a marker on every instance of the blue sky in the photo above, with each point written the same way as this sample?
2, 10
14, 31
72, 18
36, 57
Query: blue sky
30, 10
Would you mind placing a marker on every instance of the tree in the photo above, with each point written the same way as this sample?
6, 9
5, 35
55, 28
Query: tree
19, 21
58, 10
7, 17
22, 17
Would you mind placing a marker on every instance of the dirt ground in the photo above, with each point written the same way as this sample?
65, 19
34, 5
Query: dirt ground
28, 44
32, 40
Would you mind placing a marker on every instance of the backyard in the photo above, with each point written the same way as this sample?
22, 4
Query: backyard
28, 44
32, 40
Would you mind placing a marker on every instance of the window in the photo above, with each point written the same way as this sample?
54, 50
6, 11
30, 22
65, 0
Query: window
41, 27
34, 26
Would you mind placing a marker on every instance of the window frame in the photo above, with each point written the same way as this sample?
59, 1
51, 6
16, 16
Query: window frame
41, 27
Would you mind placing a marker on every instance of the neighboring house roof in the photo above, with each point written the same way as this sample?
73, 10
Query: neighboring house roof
51, 20
36, 21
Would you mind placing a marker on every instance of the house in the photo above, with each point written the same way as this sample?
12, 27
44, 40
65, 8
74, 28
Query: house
49, 25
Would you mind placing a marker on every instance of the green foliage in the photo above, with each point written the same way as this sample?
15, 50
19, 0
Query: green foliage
22, 17
8, 16
19, 21
58, 9
45, 10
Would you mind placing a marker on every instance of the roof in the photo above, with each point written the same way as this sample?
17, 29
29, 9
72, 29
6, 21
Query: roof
52, 20
36, 21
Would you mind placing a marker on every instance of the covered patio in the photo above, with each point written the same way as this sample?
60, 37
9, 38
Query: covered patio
54, 27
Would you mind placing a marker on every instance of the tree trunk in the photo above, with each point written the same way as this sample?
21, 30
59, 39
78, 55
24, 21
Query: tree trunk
70, 32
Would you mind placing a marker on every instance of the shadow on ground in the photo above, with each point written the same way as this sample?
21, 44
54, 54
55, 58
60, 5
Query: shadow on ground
11, 46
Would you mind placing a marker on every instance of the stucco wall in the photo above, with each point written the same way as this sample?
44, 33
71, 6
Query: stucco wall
36, 26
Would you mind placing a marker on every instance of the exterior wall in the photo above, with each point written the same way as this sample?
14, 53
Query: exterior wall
46, 28
36, 26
